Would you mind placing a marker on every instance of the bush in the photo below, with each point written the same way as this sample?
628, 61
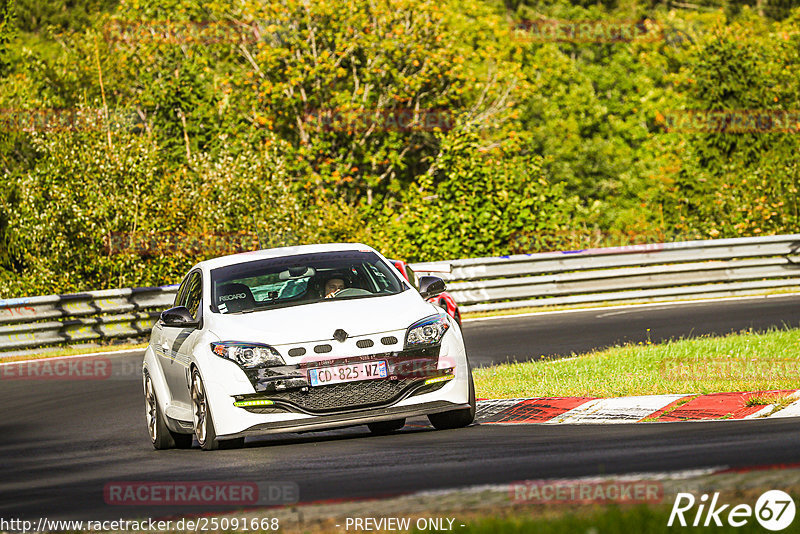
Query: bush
124, 219
474, 202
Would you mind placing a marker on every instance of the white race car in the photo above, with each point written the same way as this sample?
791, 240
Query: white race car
302, 338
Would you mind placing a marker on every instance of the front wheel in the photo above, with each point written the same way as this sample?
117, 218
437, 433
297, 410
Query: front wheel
204, 429
456, 418
160, 435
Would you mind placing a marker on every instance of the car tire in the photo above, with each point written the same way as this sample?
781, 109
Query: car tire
457, 317
203, 425
386, 427
456, 418
160, 435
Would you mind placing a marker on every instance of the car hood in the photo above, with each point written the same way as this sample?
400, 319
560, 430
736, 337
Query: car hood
317, 322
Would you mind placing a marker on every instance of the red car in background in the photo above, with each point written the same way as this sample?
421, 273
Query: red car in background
444, 300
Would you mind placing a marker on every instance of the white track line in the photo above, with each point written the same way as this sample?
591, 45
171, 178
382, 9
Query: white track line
616, 409
87, 355
760, 413
681, 474
793, 410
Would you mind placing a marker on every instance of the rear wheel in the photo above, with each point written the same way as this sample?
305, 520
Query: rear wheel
204, 429
386, 427
160, 435
456, 418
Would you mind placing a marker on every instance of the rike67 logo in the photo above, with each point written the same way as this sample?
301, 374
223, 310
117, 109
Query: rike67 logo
774, 510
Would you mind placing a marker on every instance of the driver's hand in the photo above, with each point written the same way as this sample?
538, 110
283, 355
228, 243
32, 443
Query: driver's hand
332, 294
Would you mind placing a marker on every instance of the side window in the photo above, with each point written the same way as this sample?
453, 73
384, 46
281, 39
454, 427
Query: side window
181, 291
193, 293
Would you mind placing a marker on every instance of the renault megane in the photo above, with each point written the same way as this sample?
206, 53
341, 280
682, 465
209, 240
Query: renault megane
302, 338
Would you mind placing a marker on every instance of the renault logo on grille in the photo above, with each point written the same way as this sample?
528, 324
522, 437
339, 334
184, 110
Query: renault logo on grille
340, 335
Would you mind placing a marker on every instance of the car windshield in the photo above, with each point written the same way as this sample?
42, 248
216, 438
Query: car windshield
302, 279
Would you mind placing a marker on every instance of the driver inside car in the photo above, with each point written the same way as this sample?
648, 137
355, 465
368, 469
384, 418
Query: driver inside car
333, 286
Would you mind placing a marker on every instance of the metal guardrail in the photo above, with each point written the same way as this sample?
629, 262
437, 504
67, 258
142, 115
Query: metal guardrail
54, 319
662, 271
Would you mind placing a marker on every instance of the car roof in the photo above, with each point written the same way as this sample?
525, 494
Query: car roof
233, 259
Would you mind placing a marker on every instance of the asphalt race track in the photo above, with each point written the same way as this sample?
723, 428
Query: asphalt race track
525, 338
63, 441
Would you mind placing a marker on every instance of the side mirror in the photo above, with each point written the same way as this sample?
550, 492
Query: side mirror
178, 317
430, 286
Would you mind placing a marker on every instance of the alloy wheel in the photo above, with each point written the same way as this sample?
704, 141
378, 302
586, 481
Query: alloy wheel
150, 409
199, 408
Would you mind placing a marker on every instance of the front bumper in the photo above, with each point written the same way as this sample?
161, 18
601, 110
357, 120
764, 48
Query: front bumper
286, 389
349, 419
296, 406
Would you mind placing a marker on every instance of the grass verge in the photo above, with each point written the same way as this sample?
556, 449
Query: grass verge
489, 509
737, 362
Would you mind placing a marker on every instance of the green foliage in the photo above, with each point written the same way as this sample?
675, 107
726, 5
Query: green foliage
35, 15
427, 129
68, 232
473, 202
745, 183
7, 30
332, 79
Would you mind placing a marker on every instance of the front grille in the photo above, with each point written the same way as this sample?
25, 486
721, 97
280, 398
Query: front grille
389, 340
297, 351
346, 396
364, 343
321, 349
411, 367
264, 409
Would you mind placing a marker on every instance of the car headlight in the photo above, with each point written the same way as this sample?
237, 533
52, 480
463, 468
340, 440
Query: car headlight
248, 354
427, 332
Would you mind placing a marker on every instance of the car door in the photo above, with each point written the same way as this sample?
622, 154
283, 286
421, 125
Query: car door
177, 343
163, 337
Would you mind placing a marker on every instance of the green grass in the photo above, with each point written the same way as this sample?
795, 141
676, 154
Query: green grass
779, 400
738, 362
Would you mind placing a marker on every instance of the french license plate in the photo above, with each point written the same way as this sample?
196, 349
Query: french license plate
353, 372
